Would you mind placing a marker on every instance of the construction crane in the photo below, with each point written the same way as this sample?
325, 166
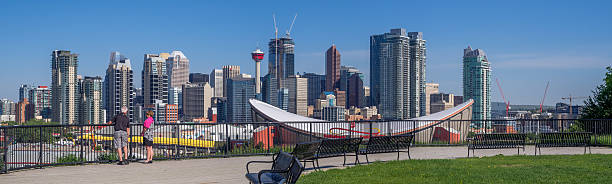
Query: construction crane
288, 33
503, 97
544, 97
571, 98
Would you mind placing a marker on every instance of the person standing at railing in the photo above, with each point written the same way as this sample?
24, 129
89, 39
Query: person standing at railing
121, 135
147, 136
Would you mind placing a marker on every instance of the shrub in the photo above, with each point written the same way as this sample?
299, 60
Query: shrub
70, 159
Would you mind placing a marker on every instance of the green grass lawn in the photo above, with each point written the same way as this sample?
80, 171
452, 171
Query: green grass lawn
498, 169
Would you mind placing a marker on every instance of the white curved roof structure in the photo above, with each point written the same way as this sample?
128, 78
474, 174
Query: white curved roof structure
275, 114
304, 125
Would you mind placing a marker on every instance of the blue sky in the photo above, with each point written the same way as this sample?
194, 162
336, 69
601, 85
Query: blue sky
528, 42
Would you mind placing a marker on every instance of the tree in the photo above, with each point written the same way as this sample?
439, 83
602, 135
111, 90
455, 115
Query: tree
599, 106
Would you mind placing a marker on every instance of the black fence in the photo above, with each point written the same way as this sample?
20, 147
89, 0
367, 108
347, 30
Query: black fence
24, 147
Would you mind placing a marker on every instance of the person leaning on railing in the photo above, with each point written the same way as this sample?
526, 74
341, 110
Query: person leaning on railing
121, 135
147, 136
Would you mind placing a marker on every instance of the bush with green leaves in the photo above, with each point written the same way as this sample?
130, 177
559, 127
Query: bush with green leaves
70, 159
107, 157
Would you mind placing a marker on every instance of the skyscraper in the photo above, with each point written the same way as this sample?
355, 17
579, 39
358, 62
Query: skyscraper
41, 98
229, 72
477, 83
23, 92
418, 58
351, 81
177, 66
91, 101
216, 82
154, 80
355, 91
298, 94
239, 90
198, 78
64, 101
269, 91
332, 68
281, 50
118, 86
398, 74
316, 85
196, 100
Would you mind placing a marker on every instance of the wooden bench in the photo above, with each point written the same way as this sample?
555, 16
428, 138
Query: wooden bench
496, 141
565, 139
387, 144
338, 147
285, 169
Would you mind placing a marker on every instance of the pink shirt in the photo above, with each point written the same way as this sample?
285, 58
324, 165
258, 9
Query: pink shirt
148, 122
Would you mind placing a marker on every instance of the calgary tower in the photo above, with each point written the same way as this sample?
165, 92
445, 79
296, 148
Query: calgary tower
257, 56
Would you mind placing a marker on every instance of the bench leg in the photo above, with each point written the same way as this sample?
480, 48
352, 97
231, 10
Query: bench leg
367, 160
409, 154
344, 163
357, 159
398, 152
318, 166
589, 149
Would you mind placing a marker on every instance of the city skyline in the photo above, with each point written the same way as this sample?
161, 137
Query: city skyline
525, 60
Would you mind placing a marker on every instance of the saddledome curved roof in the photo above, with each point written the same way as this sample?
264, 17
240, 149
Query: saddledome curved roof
274, 114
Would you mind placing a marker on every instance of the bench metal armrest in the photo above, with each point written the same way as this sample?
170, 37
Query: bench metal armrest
247, 166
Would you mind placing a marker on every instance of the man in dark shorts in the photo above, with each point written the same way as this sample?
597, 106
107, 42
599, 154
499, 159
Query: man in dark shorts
121, 135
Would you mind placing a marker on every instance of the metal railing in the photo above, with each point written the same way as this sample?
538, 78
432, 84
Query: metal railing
39, 146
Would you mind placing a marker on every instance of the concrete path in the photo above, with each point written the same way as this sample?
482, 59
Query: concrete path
230, 170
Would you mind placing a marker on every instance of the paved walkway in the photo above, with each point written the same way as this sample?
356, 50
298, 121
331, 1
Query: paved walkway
229, 170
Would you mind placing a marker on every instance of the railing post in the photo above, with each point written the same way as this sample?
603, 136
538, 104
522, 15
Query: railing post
40, 149
227, 140
370, 129
5, 156
81, 145
178, 140
269, 133
310, 123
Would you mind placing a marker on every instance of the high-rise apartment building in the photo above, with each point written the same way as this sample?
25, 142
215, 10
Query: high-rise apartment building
332, 68
229, 72
91, 101
198, 78
239, 90
477, 83
23, 92
119, 86
297, 94
177, 66
7, 107
418, 56
154, 80
216, 82
196, 100
41, 98
316, 85
65, 98
398, 72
